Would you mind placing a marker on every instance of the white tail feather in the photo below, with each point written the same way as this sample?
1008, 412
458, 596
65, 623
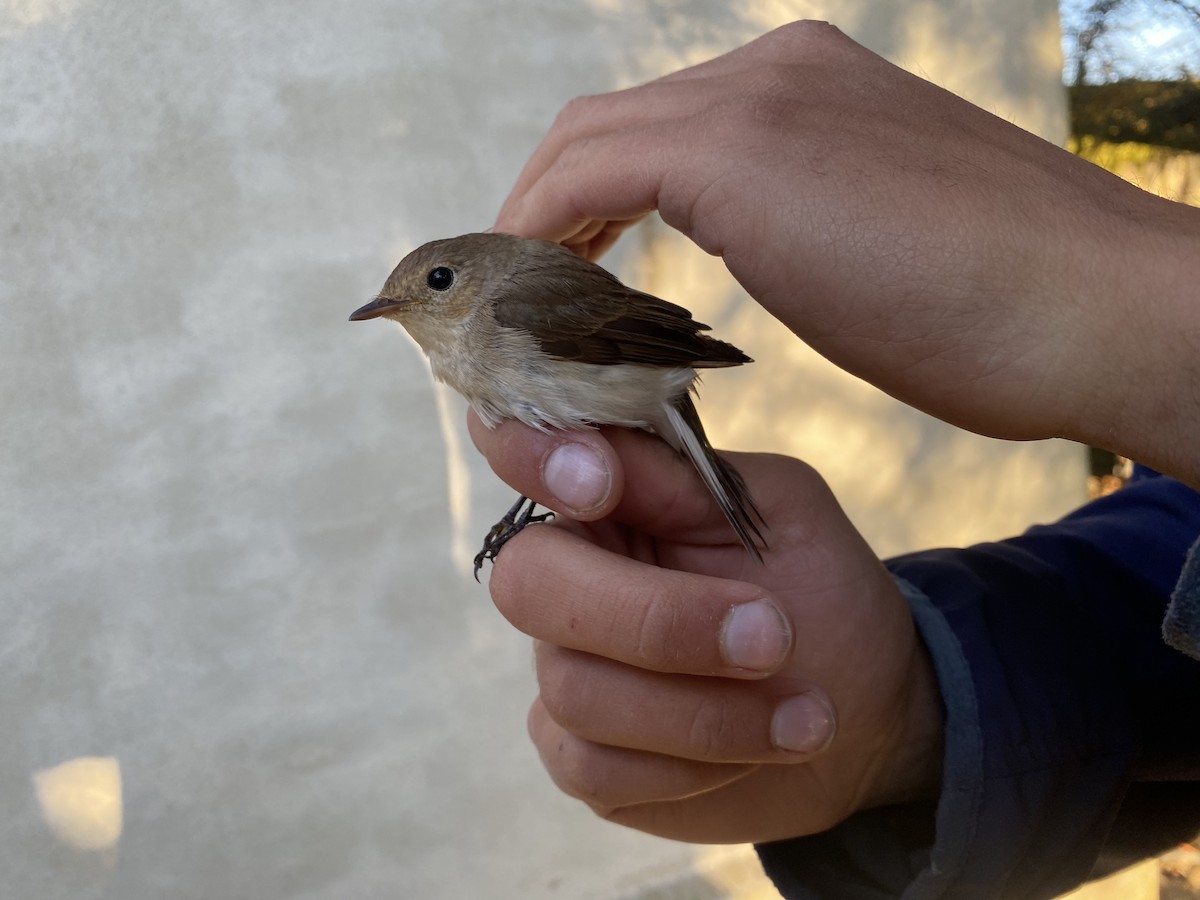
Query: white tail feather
722, 481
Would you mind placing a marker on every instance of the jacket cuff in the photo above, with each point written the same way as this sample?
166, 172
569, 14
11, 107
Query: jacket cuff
1008, 819
1181, 627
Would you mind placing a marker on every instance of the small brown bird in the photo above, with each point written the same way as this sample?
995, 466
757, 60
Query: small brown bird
527, 330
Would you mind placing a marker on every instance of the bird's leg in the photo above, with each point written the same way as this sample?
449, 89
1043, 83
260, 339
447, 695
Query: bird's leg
518, 516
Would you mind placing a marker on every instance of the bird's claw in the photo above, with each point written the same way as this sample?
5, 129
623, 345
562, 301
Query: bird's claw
514, 521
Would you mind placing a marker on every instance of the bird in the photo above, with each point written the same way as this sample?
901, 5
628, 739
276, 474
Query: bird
526, 329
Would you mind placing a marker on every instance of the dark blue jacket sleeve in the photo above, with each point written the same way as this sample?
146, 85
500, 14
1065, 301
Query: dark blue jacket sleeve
1068, 748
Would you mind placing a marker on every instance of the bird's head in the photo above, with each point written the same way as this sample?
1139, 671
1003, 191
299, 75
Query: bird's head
438, 285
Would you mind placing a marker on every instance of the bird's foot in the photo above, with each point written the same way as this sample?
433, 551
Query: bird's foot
514, 521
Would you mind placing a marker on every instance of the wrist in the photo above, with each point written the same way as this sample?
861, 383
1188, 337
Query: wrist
1143, 400
913, 771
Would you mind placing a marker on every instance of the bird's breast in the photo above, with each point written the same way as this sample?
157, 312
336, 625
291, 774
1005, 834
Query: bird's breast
526, 384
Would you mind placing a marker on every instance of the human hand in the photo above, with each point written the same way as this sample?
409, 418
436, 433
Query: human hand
686, 691
956, 261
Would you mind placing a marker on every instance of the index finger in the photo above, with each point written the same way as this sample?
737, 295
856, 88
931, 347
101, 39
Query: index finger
617, 140
565, 591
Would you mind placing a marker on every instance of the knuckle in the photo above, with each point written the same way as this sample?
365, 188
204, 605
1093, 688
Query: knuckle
608, 813
581, 153
796, 57
576, 109
580, 772
718, 728
808, 490
563, 687
806, 32
509, 582
660, 642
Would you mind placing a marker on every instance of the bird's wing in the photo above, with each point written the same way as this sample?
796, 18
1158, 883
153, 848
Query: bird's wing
583, 313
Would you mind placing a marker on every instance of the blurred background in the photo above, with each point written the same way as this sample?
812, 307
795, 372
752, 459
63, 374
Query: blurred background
242, 653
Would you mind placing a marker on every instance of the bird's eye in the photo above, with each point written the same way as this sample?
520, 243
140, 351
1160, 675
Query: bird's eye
440, 278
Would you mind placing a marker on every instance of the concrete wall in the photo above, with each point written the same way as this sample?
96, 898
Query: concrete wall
241, 653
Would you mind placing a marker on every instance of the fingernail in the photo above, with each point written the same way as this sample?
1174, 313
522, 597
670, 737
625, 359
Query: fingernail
578, 476
756, 636
803, 724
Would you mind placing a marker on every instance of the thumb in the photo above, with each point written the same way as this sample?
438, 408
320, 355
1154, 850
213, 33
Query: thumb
632, 476
575, 473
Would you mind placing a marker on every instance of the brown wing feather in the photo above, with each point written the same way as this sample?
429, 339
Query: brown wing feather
576, 310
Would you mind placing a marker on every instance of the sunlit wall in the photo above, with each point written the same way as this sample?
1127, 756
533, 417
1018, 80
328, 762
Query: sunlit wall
241, 653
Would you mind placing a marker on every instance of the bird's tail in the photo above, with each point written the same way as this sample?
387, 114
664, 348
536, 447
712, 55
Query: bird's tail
724, 482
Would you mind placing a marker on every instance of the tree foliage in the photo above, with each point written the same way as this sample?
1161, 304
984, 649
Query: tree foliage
1111, 40
1161, 113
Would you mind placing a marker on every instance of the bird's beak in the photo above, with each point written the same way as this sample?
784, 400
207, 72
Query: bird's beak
380, 306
